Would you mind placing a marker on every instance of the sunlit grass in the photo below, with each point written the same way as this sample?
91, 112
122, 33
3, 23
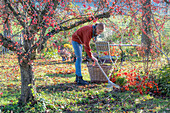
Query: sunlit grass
58, 88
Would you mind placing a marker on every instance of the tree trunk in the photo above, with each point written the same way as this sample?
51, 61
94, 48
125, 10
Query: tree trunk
146, 32
146, 23
27, 80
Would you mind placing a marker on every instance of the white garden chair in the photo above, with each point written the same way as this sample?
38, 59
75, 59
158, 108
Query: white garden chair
103, 46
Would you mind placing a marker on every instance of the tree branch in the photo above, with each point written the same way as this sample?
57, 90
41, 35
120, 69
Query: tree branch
45, 38
167, 1
46, 9
15, 13
8, 43
89, 19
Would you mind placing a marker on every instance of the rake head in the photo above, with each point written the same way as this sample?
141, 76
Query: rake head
111, 84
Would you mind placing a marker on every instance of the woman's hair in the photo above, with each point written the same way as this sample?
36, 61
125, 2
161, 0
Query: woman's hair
100, 26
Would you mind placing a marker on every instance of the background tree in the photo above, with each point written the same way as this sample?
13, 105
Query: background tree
146, 30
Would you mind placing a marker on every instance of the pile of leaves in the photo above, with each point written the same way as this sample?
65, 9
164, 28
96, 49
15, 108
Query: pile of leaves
133, 80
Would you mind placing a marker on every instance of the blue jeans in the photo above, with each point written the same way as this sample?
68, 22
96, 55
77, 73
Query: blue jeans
78, 53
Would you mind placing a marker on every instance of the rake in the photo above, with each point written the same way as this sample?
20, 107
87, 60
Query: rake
110, 83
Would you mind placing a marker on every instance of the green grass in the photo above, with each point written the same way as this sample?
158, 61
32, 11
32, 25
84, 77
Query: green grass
57, 92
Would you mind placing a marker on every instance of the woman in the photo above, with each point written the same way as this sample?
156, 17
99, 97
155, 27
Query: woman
82, 37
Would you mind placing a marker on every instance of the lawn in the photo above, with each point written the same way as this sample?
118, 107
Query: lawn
57, 92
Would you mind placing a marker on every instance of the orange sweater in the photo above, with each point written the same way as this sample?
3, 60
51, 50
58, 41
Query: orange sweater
83, 36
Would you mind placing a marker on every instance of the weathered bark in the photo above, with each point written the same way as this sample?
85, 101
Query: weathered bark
27, 81
26, 68
146, 22
146, 32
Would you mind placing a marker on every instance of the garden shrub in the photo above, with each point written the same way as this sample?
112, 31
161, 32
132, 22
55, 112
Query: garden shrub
121, 81
163, 80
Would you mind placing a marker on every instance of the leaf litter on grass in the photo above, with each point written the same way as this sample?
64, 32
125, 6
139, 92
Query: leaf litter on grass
67, 96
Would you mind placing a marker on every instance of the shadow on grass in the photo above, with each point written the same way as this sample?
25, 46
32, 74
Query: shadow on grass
52, 63
124, 102
67, 87
112, 101
60, 75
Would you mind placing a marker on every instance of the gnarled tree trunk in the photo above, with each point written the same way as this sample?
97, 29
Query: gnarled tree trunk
27, 81
26, 68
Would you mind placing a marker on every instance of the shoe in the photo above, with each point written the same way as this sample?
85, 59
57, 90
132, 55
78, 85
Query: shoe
77, 77
80, 81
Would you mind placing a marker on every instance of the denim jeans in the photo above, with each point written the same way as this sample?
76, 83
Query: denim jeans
78, 53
